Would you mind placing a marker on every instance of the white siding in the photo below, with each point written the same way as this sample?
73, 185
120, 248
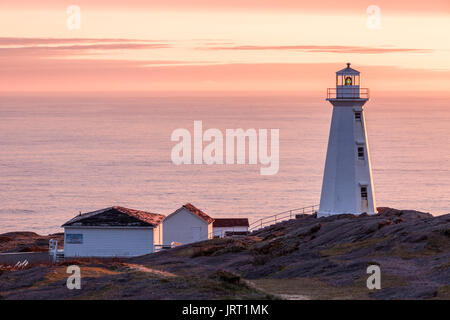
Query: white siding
220, 231
183, 227
344, 173
110, 242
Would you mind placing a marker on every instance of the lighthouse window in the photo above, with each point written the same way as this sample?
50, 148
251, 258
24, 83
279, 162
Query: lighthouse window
363, 193
348, 81
358, 116
361, 153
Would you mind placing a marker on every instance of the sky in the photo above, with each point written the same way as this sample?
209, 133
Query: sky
223, 45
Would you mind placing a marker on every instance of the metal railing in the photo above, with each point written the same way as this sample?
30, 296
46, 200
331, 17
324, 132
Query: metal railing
348, 93
256, 225
282, 216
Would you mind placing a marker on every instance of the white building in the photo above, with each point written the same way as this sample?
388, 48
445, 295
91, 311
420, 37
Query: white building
347, 181
186, 225
230, 226
112, 232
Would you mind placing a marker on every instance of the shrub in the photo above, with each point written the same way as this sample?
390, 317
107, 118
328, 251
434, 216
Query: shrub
226, 276
260, 260
5, 239
205, 251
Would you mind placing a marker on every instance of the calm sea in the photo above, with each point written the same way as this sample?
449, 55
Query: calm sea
60, 156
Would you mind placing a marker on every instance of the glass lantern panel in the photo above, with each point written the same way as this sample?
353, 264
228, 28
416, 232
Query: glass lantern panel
348, 81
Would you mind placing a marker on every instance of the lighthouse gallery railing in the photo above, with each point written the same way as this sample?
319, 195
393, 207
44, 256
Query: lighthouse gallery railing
348, 93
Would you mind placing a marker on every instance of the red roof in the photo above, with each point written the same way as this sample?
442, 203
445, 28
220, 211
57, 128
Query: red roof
151, 218
198, 212
116, 216
230, 222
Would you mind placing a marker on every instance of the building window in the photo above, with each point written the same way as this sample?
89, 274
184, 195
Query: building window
74, 238
361, 153
363, 193
358, 116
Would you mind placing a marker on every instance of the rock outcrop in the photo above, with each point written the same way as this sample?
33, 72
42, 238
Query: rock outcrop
303, 258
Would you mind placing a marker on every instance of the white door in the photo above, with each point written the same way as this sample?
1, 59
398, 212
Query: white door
196, 235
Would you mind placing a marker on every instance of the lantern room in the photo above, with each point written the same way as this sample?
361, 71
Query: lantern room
347, 77
348, 85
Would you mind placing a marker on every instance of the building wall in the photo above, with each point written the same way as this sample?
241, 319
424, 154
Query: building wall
344, 173
220, 231
109, 242
179, 227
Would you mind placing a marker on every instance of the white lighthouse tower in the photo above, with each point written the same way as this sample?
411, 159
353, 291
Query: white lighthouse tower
347, 180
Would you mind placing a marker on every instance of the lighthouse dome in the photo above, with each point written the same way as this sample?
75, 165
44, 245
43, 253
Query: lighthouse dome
348, 71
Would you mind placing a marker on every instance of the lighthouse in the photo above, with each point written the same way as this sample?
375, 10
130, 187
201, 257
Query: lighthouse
347, 185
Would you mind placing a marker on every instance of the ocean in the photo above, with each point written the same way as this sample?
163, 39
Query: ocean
63, 155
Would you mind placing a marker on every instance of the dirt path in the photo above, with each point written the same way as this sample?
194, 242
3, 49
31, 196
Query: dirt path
293, 297
142, 268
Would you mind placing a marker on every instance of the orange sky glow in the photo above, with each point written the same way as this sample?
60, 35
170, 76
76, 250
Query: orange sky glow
222, 46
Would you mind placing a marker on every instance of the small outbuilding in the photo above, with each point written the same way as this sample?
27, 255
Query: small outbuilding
224, 227
112, 232
187, 224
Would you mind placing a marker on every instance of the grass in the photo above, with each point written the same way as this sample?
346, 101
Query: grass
202, 248
59, 274
436, 244
442, 266
345, 248
443, 293
315, 288
215, 247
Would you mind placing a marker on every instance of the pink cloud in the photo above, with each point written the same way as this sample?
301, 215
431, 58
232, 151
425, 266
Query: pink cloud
315, 48
47, 51
48, 47
347, 6
15, 41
